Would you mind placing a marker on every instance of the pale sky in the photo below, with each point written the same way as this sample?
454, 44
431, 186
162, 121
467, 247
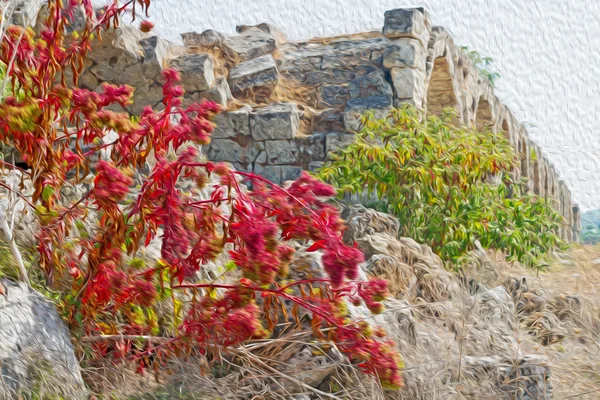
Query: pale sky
547, 51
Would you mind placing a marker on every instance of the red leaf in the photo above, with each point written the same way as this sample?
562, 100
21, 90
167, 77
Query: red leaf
318, 245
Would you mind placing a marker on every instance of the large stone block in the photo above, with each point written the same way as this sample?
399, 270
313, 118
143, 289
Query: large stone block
197, 71
407, 22
408, 84
405, 52
220, 94
241, 150
336, 76
372, 84
302, 150
275, 121
380, 106
328, 120
150, 94
278, 173
232, 123
254, 79
333, 95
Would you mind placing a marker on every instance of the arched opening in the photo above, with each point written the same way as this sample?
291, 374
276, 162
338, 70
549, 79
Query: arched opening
506, 131
440, 93
484, 117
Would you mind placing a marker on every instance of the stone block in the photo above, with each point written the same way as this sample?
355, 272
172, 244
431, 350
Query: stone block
328, 120
371, 102
302, 150
334, 95
315, 165
272, 173
232, 123
254, 79
220, 94
372, 84
380, 106
408, 84
336, 76
335, 141
241, 150
196, 70
146, 95
269, 29
275, 121
405, 52
290, 172
349, 58
407, 22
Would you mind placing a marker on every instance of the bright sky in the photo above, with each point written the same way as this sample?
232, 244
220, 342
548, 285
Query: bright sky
546, 50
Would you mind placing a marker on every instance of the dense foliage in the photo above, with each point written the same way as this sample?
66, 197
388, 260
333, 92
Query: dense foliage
590, 227
89, 246
448, 185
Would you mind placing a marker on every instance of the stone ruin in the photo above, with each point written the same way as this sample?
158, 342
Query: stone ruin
289, 104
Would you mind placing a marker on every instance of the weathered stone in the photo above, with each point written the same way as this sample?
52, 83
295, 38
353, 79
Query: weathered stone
405, 53
276, 121
254, 79
411, 22
335, 141
334, 95
196, 70
380, 106
269, 29
220, 94
372, 84
302, 150
407, 84
290, 173
272, 173
336, 76
362, 221
35, 346
315, 165
232, 123
150, 94
243, 150
208, 39
328, 120
252, 44
347, 59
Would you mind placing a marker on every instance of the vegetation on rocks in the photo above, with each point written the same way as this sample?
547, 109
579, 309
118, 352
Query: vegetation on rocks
449, 186
99, 210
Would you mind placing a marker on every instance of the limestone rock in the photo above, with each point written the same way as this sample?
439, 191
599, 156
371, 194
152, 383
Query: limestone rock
369, 85
362, 221
220, 94
335, 141
405, 52
380, 106
208, 39
197, 71
278, 173
232, 123
254, 79
275, 121
35, 345
407, 83
295, 151
407, 22
243, 150
269, 29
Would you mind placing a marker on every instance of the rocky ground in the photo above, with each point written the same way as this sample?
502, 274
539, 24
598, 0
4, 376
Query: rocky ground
494, 331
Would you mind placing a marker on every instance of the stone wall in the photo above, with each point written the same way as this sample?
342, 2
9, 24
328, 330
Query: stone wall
289, 104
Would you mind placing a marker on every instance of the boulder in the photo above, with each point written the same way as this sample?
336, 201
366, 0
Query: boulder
275, 121
362, 221
35, 346
197, 71
269, 29
254, 79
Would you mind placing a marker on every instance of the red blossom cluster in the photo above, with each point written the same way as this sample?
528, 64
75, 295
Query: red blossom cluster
101, 287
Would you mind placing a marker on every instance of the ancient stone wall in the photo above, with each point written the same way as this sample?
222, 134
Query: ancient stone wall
289, 104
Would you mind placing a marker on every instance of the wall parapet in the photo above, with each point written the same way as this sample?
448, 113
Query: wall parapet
289, 104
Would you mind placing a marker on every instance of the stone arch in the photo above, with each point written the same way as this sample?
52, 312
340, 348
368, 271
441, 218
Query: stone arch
506, 130
484, 117
440, 93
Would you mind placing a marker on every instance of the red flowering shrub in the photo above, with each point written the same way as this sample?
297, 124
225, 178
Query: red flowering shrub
106, 291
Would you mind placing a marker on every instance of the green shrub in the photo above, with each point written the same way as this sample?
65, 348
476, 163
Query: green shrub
437, 179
